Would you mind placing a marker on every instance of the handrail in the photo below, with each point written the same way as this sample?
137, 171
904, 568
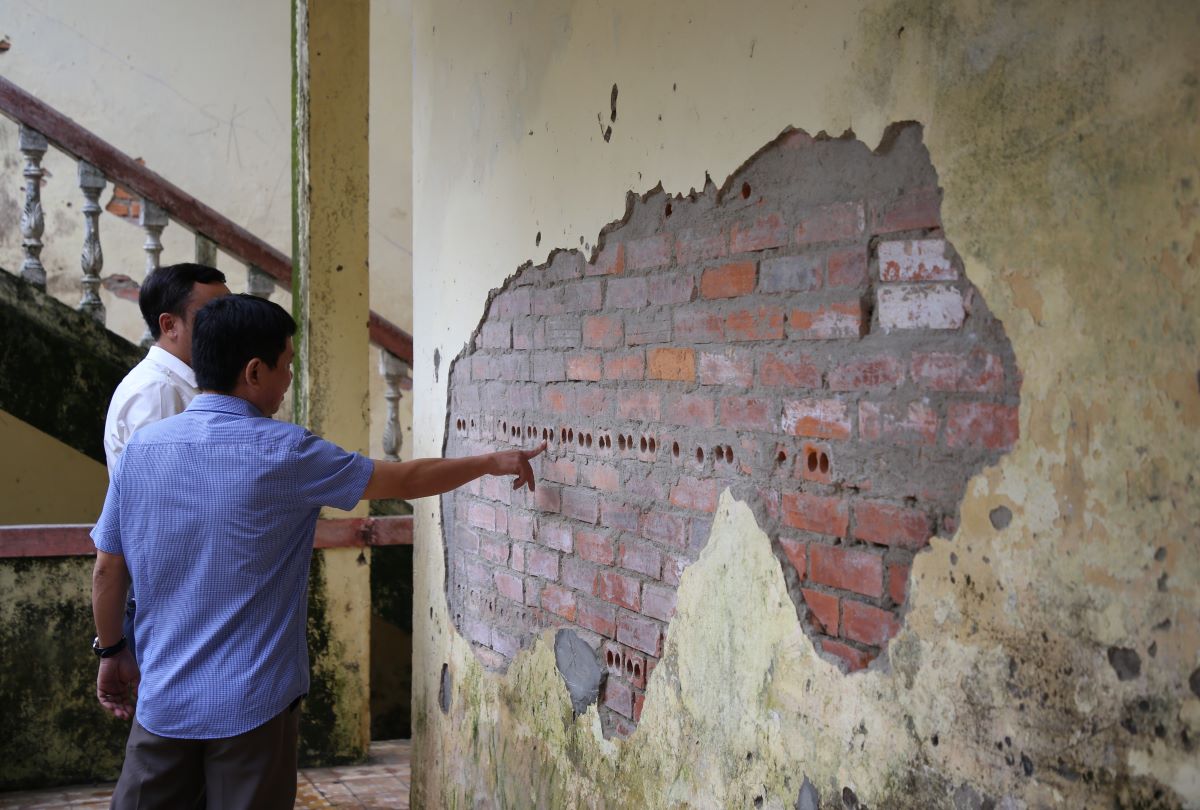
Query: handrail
74, 539
185, 209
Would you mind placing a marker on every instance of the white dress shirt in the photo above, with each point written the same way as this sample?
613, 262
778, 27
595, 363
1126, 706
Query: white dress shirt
161, 385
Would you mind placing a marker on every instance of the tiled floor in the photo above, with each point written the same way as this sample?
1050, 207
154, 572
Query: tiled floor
380, 784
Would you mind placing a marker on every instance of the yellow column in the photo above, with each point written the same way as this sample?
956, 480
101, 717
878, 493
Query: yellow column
332, 366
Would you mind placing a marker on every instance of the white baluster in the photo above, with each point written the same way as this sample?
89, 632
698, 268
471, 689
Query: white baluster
394, 372
259, 283
33, 221
153, 220
91, 182
206, 251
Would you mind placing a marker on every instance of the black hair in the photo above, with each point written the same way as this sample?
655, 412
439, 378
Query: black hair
168, 290
232, 330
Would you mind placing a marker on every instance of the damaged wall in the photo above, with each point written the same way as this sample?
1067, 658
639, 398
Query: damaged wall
1051, 641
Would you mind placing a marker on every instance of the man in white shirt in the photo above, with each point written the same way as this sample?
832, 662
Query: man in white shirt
162, 384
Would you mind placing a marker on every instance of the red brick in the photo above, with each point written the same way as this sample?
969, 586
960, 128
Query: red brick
822, 610
693, 326
577, 574
478, 632
639, 700
915, 260
695, 493
763, 232
548, 302
897, 423
564, 265
847, 268
627, 293
831, 223
510, 586
635, 555
618, 589
897, 582
584, 366
639, 633
671, 288
542, 563
891, 525
642, 328
560, 470
618, 515
602, 332
618, 696
866, 373
559, 399
690, 410
644, 405
522, 336
788, 370
982, 425
497, 489
727, 281
581, 504
727, 368
555, 535
790, 274
548, 367
817, 418
582, 296
518, 558
593, 546
832, 321
591, 400
671, 364
601, 476
533, 592
597, 617
495, 335
478, 574
815, 463
747, 413
631, 366
854, 659
673, 567
918, 209
797, 554
645, 487
559, 601
759, 323
635, 673
816, 513
494, 549
664, 528
609, 261
651, 251
867, 624
520, 525
940, 371
482, 516
849, 569
658, 602
547, 499
696, 245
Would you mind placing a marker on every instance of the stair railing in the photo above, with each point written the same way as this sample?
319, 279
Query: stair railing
162, 202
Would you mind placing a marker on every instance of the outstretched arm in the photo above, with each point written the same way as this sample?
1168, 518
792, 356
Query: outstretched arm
423, 477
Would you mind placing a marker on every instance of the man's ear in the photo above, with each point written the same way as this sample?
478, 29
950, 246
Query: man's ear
252, 371
167, 323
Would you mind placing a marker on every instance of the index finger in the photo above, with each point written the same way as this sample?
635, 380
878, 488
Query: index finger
528, 454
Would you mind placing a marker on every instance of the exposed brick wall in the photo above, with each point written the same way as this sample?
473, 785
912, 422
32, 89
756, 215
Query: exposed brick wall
805, 335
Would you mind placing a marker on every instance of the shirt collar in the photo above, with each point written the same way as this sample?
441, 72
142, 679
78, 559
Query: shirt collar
173, 364
224, 403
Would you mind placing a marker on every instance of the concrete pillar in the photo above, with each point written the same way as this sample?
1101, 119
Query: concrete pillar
330, 189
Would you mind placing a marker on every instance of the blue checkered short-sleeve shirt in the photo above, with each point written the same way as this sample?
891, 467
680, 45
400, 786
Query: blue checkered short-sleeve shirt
214, 511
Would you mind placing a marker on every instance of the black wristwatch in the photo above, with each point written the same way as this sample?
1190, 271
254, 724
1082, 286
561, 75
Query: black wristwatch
107, 652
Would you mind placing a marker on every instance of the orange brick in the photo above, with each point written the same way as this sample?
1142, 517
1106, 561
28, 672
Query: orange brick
672, 364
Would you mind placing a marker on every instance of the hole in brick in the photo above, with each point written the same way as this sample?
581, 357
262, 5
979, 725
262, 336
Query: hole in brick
608, 657
564, 435
824, 463
812, 460
668, 210
719, 452
579, 439
675, 449
628, 666
700, 454
620, 441
643, 444
653, 445
637, 669
570, 434
589, 440
780, 457
745, 191
728, 454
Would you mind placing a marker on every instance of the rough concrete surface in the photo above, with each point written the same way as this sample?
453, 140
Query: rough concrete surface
1063, 136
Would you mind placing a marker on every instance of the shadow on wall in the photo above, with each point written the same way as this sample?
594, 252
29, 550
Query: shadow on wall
804, 335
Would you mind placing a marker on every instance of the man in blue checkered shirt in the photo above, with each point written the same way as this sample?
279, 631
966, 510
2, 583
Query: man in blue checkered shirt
211, 514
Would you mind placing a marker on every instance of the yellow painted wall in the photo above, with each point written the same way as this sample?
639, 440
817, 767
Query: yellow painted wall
1064, 135
44, 480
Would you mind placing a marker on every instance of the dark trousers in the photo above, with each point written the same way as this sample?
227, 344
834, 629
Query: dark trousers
253, 770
